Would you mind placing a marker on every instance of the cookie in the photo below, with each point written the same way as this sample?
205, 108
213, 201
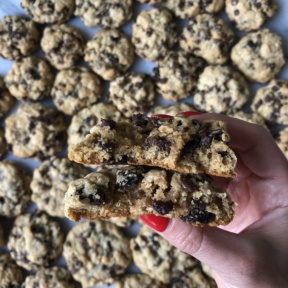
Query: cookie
220, 89
180, 144
63, 45
35, 241
10, 274
109, 53
132, 93
154, 33
35, 132
6, 99
249, 15
50, 182
138, 280
88, 117
187, 8
136, 191
177, 74
107, 13
19, 37
97, 253
171, 110
282, 141
15, 193
259, 55
75, 89
157, 258
2, 143
209, 37
123, 221
30, 79
253, 118
49, 11
271, 102
51, 278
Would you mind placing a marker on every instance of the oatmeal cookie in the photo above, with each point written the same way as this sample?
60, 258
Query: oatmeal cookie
30, 79
138, 280
259, 55
171, 110
3, 143
19, 37
209, 37
6, 99
109, 53
282, 141
220, 89
35, 132
154, 33
35, 241
253, 118
75, 89
49, 11
107, 13
97, 253
15, 193
123, 221
63, 45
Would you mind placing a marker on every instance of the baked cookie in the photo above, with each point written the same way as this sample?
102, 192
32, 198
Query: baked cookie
171, 110
187, 8
181, 144
209, 37
19, 37
220, 89
3, 143
138, 280
271, 102
249, 15
253, 118
97, 253
177, 74
6, 99
282, 141
259, 55
109, 53
51, 278
35, 131
132, 93
154, 33
157, 258
10, 274
88, 117
107, 13
35, 240
75, 89
15, 193
30, 79
136, 191
49, 11
63, 45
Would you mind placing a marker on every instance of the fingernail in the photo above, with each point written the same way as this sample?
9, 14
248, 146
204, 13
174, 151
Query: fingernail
161, 116
188, 113
157, 223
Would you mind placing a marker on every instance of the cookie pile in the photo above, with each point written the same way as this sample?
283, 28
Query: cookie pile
49, 100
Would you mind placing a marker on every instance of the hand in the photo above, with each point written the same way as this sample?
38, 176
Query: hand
252, 251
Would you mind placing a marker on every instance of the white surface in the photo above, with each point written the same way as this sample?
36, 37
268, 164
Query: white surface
278, 24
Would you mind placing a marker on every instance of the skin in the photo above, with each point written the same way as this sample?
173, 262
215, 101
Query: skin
252, 251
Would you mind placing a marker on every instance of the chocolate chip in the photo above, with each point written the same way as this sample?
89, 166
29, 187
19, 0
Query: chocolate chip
198, 215
139, 120
162, 207
128, 179
187, 183
161, 142
108, 123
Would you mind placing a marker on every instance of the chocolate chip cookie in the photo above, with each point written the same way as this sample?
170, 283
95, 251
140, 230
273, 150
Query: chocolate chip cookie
249, 15
107, 13
30, 79
97, 253
177, 74
35, 241
109, 53
35, 131
209, 37
154, 33
220, 89
15, 193
49, 11
259, 55
75, 89
3, 143
171, 110
180, 144
282, 141
138, 280
19, 37
132, 93
63, 45
6, 99
271, 102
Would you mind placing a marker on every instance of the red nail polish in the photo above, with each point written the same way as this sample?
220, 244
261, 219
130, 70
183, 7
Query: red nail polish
157, 223
161, 116
188, 113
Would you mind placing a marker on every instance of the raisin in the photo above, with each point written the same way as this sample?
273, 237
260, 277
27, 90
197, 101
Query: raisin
139, 120
128, 179
98, 198
161, 142
187, 183
162, 207
198, 215
108, 123
109, 146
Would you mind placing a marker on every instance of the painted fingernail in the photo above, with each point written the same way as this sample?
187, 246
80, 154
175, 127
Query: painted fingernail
188, 113
161, 116
157, 223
